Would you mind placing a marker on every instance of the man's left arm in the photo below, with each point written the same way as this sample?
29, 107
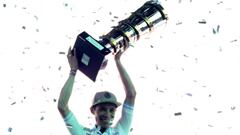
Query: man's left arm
127, 82
124, 123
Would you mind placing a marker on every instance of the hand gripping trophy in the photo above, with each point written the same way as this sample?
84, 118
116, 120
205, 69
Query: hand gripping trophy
91, 52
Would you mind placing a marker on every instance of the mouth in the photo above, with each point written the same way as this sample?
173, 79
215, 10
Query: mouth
103, 118
106, 120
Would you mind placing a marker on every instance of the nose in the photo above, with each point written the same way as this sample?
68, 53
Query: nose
110, 114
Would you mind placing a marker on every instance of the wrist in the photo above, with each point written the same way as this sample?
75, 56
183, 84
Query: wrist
73, 72
117, 59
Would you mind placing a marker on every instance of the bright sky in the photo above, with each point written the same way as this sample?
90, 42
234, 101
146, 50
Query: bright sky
189, 66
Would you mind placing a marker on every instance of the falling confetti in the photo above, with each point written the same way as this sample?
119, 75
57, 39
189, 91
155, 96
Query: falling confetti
219, 111
36, 17
156, 67
216, 30
54, 100
42, 118
177, 113
178, 23
44, 89
189, 94
210, 125
235, 40
13, 103
233, 108
202, 21
131, 129
10, 129
33, 48
62, 53
195, 109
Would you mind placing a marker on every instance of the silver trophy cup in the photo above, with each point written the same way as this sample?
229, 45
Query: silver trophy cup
91, 52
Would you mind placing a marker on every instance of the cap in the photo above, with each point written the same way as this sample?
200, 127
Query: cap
105, 97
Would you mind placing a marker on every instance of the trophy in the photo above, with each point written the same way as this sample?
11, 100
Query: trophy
91, 52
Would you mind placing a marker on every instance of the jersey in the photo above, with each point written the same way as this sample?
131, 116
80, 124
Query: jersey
122, 127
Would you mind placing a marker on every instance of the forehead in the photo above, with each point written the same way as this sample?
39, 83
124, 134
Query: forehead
106, 105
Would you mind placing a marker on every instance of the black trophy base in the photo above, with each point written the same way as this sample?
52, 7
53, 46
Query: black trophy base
90, 54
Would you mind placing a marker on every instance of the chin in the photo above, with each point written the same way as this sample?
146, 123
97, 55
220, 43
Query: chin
105, 125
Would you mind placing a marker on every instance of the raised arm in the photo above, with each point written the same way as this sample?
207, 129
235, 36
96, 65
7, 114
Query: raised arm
127, 83
68, 86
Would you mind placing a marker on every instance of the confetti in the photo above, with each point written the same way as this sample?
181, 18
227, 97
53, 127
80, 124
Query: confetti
195, 47
62, 53
156, 66
216, 30
13, 103
233, 108
35, 17
178, 114
189, 94
235, 40
159, 90
10, 129
43, 89
178, 23
42, 118
219, 111
195, 109
220, 2
210, 125
131, 129
202, 22
185, 56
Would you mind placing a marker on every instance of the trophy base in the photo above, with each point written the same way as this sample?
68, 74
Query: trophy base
90, 55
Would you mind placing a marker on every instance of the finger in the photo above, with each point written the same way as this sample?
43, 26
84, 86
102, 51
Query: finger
126, 43
69, 51
74, 51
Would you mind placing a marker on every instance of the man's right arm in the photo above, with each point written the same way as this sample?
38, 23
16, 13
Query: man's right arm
65, 95
68, 86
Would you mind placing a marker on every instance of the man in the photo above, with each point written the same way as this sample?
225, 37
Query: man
104, 104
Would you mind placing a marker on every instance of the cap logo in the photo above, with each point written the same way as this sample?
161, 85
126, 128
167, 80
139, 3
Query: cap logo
107, 95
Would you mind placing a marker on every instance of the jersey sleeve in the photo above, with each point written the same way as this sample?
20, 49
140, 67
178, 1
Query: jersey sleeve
124, 123
73, 126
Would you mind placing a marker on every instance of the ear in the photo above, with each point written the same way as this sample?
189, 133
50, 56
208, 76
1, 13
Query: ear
92, 109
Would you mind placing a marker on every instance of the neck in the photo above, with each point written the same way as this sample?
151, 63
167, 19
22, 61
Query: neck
102, 129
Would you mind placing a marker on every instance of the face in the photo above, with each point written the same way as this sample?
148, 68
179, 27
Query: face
104, 114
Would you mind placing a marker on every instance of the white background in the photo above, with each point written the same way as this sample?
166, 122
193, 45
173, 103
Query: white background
185, 66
